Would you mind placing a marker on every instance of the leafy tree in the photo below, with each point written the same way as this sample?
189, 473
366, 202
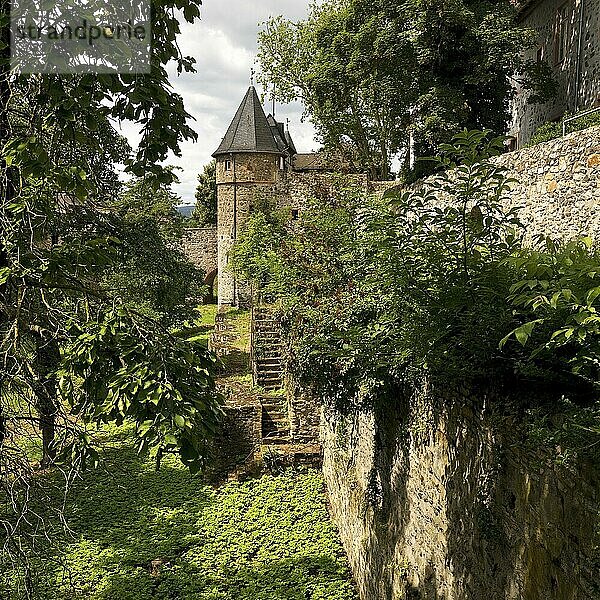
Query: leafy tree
74, 354
205, 213
151, 273
371, 74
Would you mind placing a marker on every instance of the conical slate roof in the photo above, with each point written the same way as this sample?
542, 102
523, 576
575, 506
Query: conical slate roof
249, 131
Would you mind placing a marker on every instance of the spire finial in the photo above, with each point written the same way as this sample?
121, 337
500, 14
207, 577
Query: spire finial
252, 74
287, 124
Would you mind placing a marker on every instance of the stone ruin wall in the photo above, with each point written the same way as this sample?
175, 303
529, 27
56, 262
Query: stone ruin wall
556, 186
200, 246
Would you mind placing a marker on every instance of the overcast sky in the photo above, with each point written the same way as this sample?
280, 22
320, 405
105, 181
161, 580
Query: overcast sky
224, 46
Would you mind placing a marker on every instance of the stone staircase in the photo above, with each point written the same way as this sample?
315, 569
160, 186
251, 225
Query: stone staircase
275, 421
266, 350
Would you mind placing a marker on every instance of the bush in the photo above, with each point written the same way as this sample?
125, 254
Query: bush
553, 130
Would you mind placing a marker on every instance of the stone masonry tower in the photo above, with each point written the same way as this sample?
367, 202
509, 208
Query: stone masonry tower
252, 159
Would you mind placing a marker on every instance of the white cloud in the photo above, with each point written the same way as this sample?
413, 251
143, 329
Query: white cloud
224, 46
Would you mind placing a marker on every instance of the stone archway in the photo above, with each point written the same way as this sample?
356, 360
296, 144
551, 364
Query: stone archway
211, 280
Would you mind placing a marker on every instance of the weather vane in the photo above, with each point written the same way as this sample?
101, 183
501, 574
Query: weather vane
252, 74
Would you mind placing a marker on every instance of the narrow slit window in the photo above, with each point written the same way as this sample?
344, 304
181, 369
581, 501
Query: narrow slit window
561, 33
228, 165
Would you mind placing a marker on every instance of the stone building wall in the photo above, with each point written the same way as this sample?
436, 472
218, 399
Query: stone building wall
526, 118
458, 506
200, 246
237, 189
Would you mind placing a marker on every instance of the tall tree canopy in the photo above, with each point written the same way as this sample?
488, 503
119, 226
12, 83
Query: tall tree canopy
373, 73
205, 213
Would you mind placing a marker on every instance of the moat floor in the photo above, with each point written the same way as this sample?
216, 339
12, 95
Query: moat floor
142, 535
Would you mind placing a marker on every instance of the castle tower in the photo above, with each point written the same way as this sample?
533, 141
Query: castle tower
251, 159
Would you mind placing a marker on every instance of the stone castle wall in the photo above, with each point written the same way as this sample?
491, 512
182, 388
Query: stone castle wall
200, 246
558, 190
460, 507
543, 18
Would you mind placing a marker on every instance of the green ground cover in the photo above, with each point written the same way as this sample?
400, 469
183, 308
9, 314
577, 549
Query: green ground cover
141, 535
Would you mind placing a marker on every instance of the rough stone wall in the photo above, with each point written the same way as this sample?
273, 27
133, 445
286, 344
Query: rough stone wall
459, 508
301, 188
250, 174
558, 185
527, 117
200, 246
240, 438
304, 414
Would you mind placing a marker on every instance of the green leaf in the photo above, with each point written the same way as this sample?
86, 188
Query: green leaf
5, 273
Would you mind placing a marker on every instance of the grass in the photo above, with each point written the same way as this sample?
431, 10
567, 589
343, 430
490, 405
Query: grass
146, 535
138, 534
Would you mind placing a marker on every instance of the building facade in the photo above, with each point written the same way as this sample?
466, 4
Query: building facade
569, 41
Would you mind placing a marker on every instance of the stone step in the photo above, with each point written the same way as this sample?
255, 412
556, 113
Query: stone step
276, 441
272, 405
268, 379
272, 418
269, 369
276, 435
271, 387
277, 419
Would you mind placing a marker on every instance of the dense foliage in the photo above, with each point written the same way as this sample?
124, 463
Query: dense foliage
373, 73
152, 274
434, 283
142, 535
205, 212
81, 343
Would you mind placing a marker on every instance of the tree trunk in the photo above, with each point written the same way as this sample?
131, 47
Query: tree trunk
5, 187
46, 362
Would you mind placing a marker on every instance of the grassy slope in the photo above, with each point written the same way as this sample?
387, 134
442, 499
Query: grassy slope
265, 539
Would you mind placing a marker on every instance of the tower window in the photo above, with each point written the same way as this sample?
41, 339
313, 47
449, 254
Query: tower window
561, 33
228, 165
295, 214
282, 162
